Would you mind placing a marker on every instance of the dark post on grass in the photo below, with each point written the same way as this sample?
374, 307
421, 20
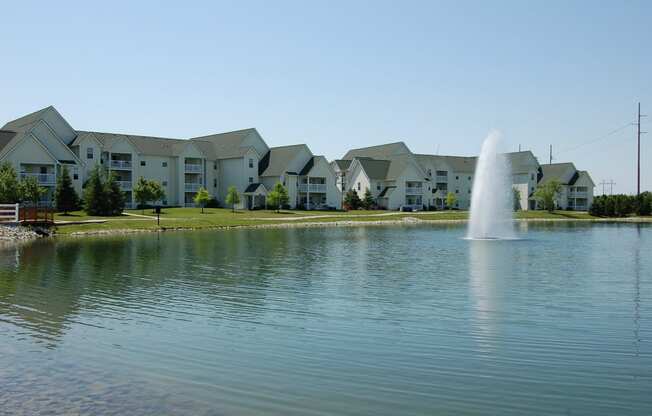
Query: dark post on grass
158, 215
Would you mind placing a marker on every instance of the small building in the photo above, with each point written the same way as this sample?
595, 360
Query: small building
576, 185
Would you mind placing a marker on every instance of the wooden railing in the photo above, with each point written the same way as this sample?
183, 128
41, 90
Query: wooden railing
36, 214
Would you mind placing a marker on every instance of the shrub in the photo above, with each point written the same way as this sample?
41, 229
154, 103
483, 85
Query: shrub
278, 197
65, 197
368, 201
9, 185
351, 200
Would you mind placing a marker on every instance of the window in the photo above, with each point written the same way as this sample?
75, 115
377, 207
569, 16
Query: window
457, 178
532, 176
75, 176
251, 180
143, 163
469, 178
434, 191
165, 183
469, 191
214, 165
251, 163
358, 186
214, 183
442, 173
43, 170
164, 164
378, 187
457, 191
89, 153
429, 172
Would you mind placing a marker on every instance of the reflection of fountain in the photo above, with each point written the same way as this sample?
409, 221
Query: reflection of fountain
489, 264
491, 199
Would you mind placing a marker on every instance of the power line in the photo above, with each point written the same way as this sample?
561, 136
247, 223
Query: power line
597, 139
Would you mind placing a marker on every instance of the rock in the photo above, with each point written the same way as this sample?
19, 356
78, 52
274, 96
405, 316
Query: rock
17, 233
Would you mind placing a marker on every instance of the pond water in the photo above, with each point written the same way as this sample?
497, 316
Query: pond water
332, 321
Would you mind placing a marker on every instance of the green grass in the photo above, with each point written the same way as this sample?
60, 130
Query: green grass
192, 218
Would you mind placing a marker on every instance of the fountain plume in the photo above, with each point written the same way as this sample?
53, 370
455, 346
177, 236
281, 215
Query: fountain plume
492, 195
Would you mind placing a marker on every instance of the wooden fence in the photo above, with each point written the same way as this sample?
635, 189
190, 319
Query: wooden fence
9, 212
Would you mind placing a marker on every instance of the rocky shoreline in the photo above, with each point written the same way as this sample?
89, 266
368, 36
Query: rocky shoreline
17, 233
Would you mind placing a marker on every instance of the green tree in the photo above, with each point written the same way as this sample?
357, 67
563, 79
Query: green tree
65, 196
547, 193
30, 190
143, 192
368, 201
115, 196
232, 197
278, 197
95, 197
202, 197
451, 199
9, 185
516, 194
351, 200
645, 204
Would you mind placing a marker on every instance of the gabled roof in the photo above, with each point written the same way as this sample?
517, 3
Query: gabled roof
374, 168
519, 161
6, 136
309, 165
343, 164
228, 145
561, 172
383, 151
24, 122
386, 191
253, 187
149, 145
277, 160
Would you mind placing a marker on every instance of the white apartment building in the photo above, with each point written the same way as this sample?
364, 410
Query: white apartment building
40, 143
576, 185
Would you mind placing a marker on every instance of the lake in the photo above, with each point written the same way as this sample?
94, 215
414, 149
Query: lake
330, 321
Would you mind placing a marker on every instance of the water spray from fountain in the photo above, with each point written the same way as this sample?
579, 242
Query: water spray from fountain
492, 195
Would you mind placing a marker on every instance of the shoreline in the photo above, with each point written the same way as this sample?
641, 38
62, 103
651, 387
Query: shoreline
406, 221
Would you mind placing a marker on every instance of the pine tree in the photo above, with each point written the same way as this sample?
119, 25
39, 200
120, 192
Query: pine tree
115, 196
95, 198
368, 201
351, 200
65, 197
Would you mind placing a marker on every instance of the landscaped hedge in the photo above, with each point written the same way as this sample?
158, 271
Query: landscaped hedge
621, 205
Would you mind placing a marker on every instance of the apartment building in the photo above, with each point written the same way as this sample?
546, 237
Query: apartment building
41, 143
576, 185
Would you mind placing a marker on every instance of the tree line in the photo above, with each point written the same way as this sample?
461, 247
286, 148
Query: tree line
621, 205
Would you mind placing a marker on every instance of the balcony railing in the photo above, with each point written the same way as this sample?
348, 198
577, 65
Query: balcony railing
121, 164
578, 194
42, 178
124, 185
312, 187
192, 187
192, 168
441, 178
414, 190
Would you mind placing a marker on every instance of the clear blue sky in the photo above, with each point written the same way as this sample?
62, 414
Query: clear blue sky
337, 75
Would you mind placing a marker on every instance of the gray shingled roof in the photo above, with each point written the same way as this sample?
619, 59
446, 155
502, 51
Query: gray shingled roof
519, 161
228, 145
343, 164
562, 172
149, 145
374, 168
24, 122
6, 137
383, 151
276, 161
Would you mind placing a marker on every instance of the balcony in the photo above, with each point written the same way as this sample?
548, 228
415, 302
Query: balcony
312, 187
192, 168
121, 164
124, 185
441, 178
192, 187
414, 190
42, 178
577, 194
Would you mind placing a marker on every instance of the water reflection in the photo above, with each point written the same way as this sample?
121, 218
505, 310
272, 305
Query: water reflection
490, 262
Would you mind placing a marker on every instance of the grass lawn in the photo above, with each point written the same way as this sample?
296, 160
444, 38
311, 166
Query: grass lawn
193, 218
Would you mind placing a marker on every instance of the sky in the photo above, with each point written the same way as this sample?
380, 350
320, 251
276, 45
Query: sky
338, 75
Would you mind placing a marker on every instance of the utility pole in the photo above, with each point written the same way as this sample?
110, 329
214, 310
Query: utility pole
551, 154
603, 183
611, 187
638, 156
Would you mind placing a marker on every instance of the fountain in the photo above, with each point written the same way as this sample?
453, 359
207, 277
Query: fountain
492, 198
